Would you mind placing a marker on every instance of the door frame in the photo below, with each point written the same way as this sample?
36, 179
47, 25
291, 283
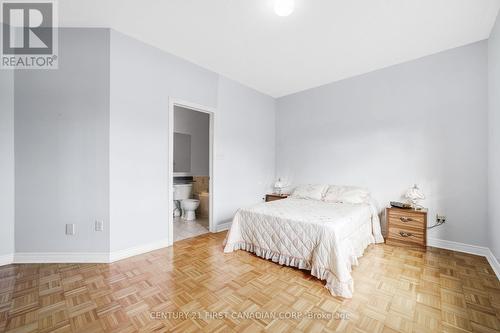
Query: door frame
173, 102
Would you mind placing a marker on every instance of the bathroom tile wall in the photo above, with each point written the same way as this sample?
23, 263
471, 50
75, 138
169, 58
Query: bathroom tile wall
200, 184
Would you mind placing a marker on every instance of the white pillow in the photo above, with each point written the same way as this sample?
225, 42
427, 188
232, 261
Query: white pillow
314, 192
346, 194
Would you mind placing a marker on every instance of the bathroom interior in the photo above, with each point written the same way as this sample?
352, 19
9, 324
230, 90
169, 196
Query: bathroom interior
191, 173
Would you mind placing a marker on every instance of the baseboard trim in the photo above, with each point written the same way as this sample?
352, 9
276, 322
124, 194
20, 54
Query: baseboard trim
136, 250
60, 257
460, 247
6, 259
103, 257
223, 226
494, 264
80, 257
467, 248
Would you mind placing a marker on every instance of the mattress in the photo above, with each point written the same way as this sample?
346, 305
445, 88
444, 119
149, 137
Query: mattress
325, 238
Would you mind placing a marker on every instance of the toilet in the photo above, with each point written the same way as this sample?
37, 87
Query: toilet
182, 193
189, 207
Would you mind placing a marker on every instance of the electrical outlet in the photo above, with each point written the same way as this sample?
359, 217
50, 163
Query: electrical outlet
440, 218
70, 229
99, 225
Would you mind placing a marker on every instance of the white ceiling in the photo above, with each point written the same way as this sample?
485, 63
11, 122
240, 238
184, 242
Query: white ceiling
321, 42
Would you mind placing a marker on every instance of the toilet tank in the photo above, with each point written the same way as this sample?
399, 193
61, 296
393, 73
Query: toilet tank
182, 191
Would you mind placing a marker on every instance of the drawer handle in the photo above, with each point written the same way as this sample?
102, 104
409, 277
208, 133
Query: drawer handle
405, 234
406, 219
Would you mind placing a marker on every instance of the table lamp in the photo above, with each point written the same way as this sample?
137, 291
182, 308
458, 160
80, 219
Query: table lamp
414, 194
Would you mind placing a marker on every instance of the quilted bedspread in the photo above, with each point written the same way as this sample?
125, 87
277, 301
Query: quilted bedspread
325, 238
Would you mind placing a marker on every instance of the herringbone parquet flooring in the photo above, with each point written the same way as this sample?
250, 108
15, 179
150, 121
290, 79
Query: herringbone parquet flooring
195, 287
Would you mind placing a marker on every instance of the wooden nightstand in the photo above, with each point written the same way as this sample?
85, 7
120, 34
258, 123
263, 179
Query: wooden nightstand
406, 227
274, 197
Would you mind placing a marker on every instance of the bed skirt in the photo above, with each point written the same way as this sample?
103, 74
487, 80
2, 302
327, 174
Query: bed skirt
333, 284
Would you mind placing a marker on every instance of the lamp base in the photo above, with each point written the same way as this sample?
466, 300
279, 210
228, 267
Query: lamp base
415, 205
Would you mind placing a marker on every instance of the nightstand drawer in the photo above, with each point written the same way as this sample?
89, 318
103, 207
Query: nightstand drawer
406, 220
406, 216
406, 236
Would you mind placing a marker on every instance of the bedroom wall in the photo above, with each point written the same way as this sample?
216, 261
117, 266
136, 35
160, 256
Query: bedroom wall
6, 166
421, 122
244, 148
142, 80
61, 147
91, 143
494, 138
196, 124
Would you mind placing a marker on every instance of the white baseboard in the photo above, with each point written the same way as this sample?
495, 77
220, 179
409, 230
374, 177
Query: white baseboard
6, 259
103, 257
460, 247
84, 257
467, 248
223, 226
136, 250
494, 264
60, 257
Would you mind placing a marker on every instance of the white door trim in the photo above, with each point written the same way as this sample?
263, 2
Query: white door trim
172, 102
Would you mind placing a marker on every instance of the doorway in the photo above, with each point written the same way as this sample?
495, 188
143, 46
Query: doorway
191, 131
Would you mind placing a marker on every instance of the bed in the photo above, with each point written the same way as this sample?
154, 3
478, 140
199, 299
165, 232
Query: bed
324, 237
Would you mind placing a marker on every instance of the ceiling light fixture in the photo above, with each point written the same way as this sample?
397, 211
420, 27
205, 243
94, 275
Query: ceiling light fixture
284, 7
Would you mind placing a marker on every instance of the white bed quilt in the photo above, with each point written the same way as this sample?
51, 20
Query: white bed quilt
325, 238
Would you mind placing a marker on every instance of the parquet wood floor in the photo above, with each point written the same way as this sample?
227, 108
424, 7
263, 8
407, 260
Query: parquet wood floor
396, 290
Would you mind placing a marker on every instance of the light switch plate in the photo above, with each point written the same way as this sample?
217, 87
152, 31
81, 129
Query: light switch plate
70, 229
99, 225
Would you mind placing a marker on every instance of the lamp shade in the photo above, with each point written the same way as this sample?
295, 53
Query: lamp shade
415, 193
279, 184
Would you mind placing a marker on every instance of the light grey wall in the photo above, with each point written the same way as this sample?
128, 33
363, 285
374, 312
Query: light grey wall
421, 122
61, 143
91, 142
196, 124
6, 163
245, 148
142, 80
424, 121
494, 138
182, 154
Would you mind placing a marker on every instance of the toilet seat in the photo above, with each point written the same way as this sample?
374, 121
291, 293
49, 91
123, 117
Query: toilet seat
190, 201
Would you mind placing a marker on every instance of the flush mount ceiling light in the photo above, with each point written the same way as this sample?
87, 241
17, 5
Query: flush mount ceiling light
284, 7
